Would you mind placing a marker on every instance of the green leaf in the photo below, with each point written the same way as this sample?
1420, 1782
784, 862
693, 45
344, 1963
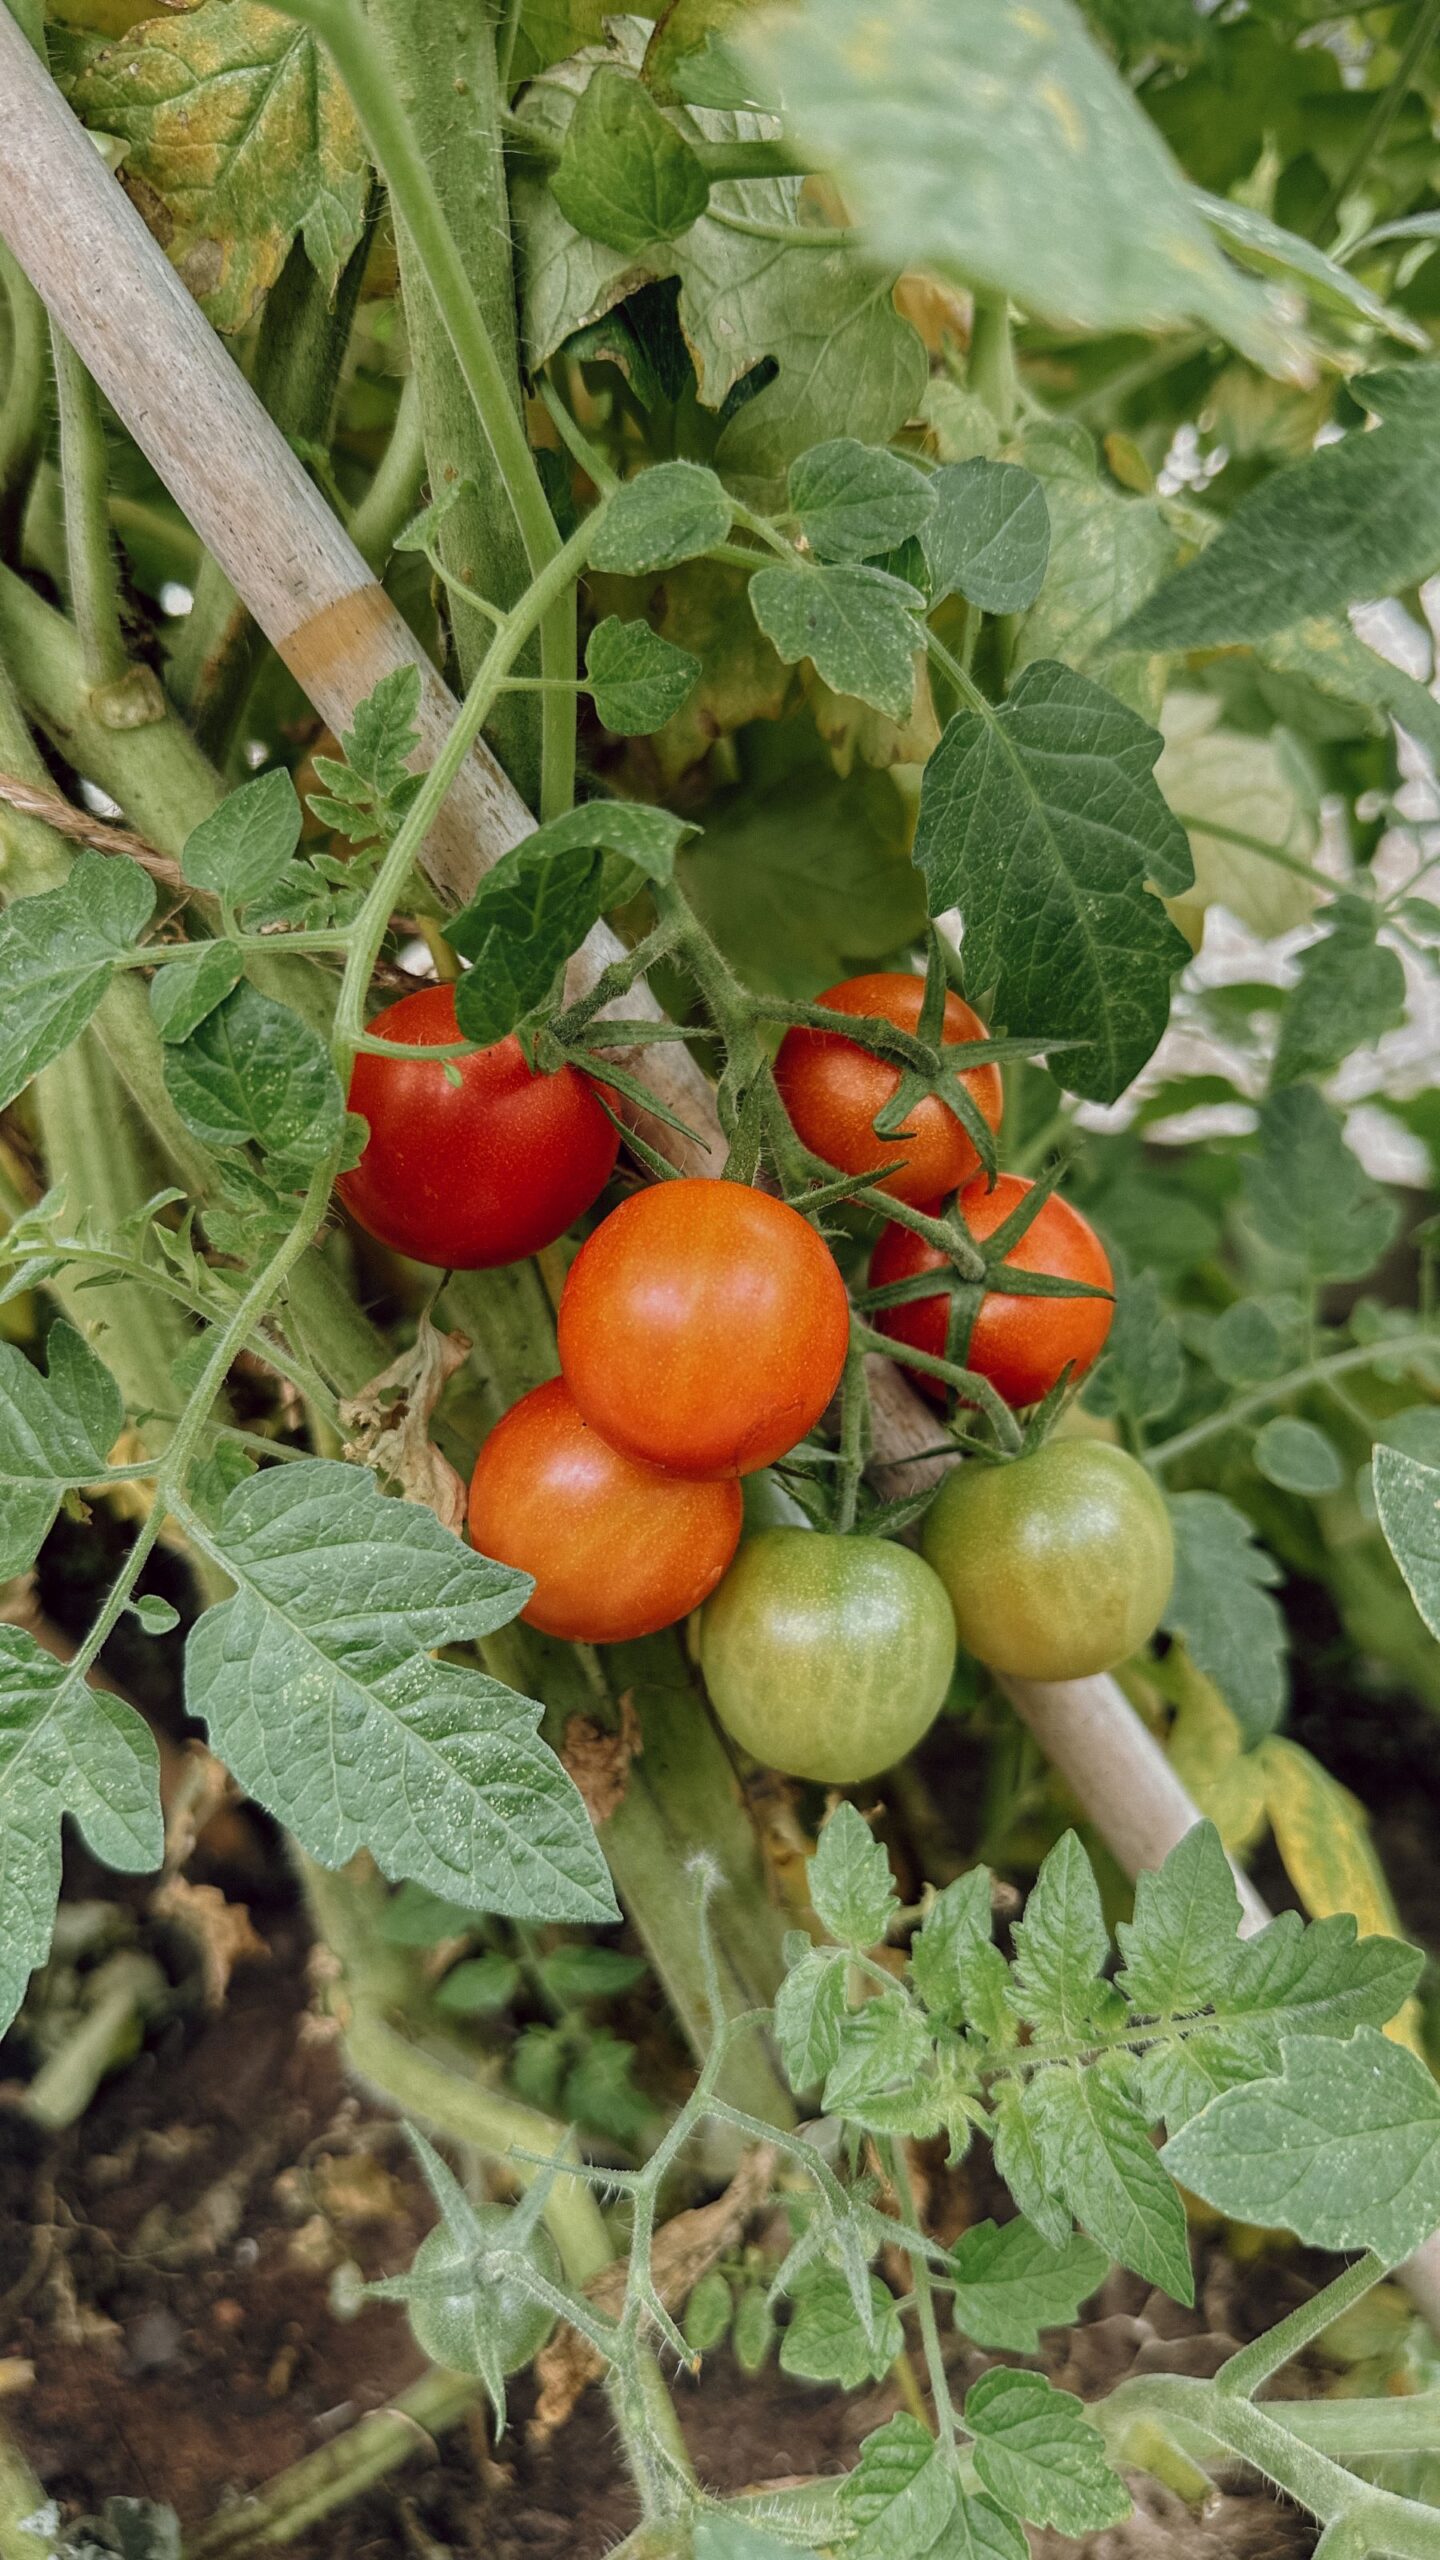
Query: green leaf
478, 1987
55, 1431
979, 2530
1060, 1946
1018, 2162
1010, 2283
809, 2007
1342, 2147
320, 1693
708, 2312
1220, 1606
1224, 784
1308, 1197
241, 132
1039, 2455
1359, 518
1102, 233
155, 1615
1097, 2154
65, 1748
626, 176
1041, 821
638, 680
589, 1973
1271, 250
1255, 1339
253, 1071
853, 500
240, 850
1143, 1368
851, 1887
1332, 657
665, 515
413, 1917
881, 2076
1183, 1944
989, 536
1297, 1457
57, 952
1107, 552
365, 797
942, 1951
900, 2495
825, 2341
1407, 1500
185, 991
1351, 991
540, 900
857, 627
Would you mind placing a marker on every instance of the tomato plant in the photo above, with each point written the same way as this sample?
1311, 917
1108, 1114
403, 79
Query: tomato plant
834, 1090
480, 1170
616, 1548
703, 1327
824, 1656
1057, 1565
1024, 1346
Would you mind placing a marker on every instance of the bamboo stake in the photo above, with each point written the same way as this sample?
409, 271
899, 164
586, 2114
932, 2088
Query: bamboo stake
112, 290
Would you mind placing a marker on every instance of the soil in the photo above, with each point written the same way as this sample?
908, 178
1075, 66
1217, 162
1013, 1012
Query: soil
169, 2324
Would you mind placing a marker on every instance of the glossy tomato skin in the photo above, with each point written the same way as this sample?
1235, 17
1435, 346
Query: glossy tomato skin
471, 1175
617, 1549
832, 1089
1021, 1345
827, 1657
703, 1327
1057, 1565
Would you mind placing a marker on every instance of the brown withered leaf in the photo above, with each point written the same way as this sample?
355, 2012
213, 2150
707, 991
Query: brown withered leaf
599, 1760
241, 136
389, 1421
685, 2248
222, 1931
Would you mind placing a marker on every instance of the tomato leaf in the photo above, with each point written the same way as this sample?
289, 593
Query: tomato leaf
57, 953
638, 680
242, 136
253, 1071
1407, 1499
1010, 2283
1306, 1195
1351, 991
626, 175
1040, 2456
1359, 518
856, 625
56, 1431
240, 850
1042, 822
65, 1748
1297, 1457
881, 2076
1143, 1367
185, 991
1221, 1607
1182, 1945
957, 1924
809, 2007
852, 500
1060, 1946
319, 1689
540, 900
1342, 2147
851, 1887
901, 2494
667, 514
825, 2341
1095, 2145
989, 536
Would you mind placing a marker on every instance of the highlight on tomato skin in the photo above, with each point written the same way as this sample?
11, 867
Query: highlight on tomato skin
832, 1089
471, 1175
617, 1549
1022, 1345
703, 1327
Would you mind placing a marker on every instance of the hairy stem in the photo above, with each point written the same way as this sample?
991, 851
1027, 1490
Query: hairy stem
91, 577
1244, 2373
1333, 1364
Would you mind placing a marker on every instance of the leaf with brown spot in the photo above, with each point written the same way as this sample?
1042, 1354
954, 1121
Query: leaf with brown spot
240, 138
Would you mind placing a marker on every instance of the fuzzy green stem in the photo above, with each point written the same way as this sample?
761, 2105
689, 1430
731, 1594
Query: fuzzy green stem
924, 2297
22, 403
1334, 1364
91, 578
394, 493
1243, 2374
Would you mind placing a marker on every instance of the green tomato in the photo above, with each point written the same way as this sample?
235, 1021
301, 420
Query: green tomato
471, 2307
827, 1657
1058, 1564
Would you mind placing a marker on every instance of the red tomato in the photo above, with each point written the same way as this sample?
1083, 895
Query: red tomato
474, 1174
617, 1549
1020, 1344
832, 1089
703, 1327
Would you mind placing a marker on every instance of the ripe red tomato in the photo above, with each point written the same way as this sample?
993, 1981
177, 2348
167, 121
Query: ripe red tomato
1057, 1565
832, 1089
471, 1175
703, 1327
617, 1549
1020, 1344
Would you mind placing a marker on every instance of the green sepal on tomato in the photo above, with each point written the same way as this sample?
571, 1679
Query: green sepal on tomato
827, 1657
833, 1089
703, 1327
474, 1161
617, 1549
1023, 1345
1058, 1564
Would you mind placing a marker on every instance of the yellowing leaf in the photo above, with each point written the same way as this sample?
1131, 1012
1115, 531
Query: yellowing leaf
1245, 787
240, 136
1323, 1835
1227, 1783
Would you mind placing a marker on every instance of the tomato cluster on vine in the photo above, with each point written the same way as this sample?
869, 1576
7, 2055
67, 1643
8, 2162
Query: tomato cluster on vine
703, 1330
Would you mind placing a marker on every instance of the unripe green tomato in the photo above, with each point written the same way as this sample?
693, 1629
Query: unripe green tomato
827, 1657
1058, 1564
483, 2305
